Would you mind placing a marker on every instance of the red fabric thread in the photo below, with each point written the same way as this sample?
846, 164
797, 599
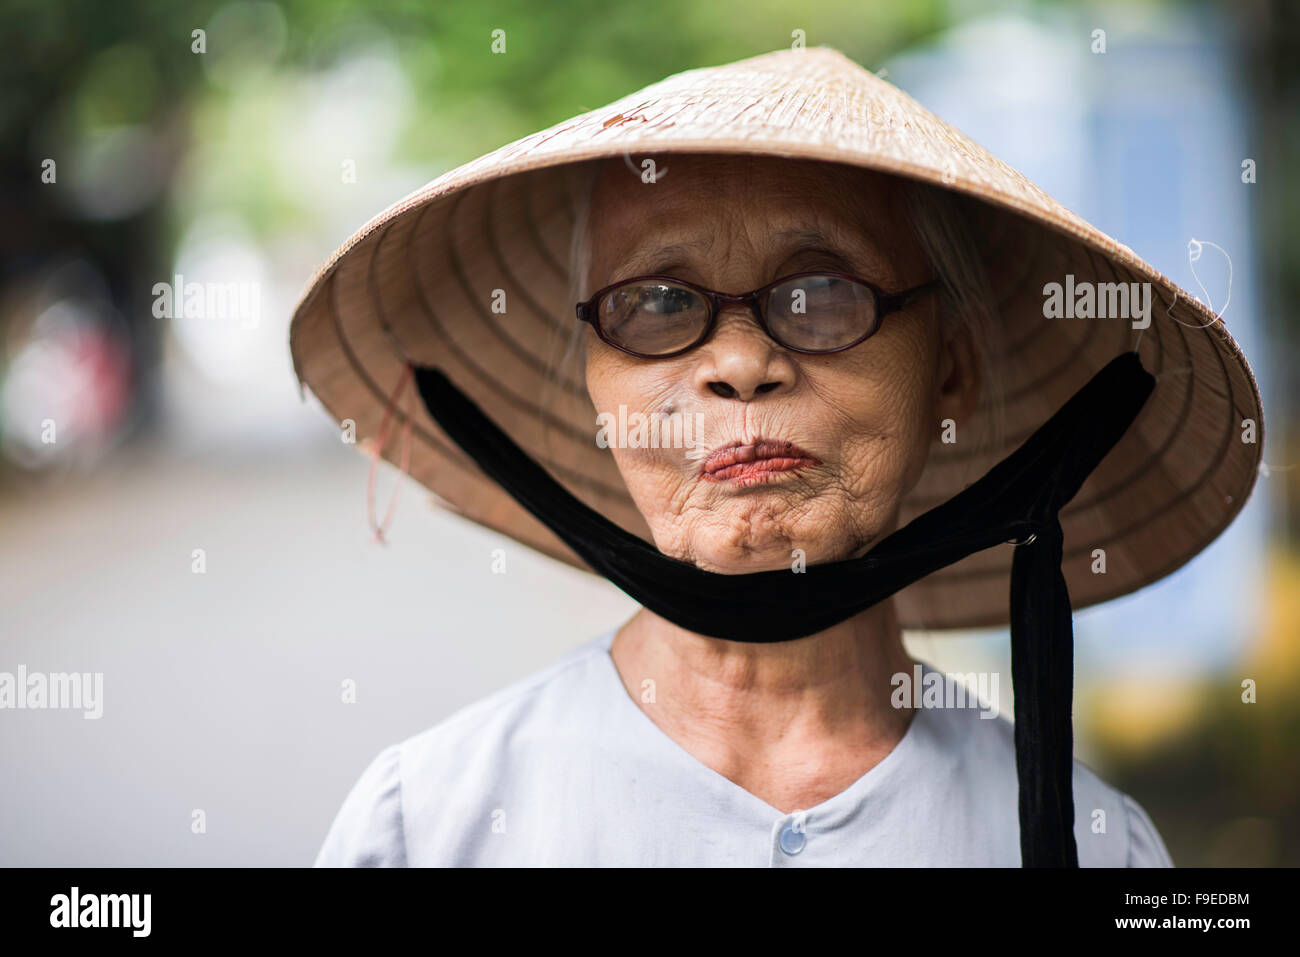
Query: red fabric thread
375, 452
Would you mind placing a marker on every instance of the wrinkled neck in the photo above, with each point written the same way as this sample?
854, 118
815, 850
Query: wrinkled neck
793, 722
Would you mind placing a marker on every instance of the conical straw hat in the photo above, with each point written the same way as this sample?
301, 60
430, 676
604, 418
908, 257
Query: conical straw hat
418, 282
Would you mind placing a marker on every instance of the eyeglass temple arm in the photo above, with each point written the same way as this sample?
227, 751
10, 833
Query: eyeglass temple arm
898, 300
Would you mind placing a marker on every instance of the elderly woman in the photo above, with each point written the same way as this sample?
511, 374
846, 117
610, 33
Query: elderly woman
845, 303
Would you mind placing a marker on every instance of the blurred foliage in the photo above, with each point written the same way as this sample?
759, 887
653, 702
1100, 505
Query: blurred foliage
90, 64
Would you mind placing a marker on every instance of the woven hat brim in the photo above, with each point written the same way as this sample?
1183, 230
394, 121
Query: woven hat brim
416, 284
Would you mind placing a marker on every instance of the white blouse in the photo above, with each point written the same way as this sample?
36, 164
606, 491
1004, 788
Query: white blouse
564, 769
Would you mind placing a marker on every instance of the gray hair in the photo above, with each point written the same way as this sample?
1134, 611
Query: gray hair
941, 226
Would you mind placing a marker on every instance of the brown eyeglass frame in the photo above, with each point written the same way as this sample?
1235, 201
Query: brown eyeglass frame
885, 303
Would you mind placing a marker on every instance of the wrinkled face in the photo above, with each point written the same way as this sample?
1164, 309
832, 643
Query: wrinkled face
791, 451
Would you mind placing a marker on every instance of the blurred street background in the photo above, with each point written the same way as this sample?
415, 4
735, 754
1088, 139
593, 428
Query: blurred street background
241, 142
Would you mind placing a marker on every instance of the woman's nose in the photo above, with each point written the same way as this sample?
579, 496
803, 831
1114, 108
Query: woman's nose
740, 361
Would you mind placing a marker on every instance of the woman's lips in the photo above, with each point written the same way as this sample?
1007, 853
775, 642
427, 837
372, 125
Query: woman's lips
756, 460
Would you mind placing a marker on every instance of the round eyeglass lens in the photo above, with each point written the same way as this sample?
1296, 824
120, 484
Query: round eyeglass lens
821, 313
653, 318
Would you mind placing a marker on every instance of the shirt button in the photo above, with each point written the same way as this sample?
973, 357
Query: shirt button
791, 840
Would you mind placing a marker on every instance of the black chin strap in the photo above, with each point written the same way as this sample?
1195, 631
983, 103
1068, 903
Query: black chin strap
1019, 498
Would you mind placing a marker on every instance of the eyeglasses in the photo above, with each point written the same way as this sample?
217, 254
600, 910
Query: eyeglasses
654, 317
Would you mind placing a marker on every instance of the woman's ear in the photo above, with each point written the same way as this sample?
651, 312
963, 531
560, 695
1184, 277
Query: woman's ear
960, 375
